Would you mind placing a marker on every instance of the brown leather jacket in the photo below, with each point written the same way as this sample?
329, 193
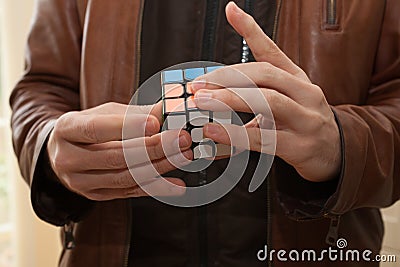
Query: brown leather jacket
85, 53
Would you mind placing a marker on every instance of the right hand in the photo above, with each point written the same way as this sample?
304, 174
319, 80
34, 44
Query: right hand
86, 152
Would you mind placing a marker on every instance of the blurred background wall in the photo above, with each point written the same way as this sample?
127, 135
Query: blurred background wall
24, 240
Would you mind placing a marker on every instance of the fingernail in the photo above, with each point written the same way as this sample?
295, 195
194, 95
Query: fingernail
198, 84
212, 129
235, 7
202, 97
184, 141
178, 190
188, 154
151, 126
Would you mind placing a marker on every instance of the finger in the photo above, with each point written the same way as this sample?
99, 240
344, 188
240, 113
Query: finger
94, 129
156, 147
263, 122
264, 101
222, 78
107, 108
259, 74
159, 186
272, 142
129, 153
154, 110
202, 83
89, 181
143, 172
262, 47
118, 108
255, 139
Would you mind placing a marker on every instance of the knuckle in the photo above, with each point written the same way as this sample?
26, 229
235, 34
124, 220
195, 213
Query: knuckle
161, 166
268, 72
88, 129
110, 106
274, 50
63, 123
266, 68
321, 98
61, 163
74, 184
156, 149
141, 109
251, 26
319, 101
134, 192
230, 97
301, 74
258, 140
124, 180
317, 90
115, 159
273, 97
145, 109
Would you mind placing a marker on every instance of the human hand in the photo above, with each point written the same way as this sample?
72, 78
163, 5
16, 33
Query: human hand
307, 135
87, 153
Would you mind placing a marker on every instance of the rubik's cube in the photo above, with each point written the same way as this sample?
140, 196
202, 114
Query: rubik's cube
181, 112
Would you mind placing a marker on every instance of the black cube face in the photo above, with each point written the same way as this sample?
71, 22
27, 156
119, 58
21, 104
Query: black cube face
181, 112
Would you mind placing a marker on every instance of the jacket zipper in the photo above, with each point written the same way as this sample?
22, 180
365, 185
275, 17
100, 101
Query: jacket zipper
248, 7
127, 247
269, 183
212, 9
69, 240
245, 58
139, 44
126, 250
209, 30
276, 20
202, 225
333, 232
331, 12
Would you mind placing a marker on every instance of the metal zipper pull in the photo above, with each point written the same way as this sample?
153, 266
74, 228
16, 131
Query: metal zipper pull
245, 52
69, 240
331, 12
333, 233
248, 8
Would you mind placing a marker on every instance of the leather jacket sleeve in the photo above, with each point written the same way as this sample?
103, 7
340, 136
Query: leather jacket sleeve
48, 89
370, 133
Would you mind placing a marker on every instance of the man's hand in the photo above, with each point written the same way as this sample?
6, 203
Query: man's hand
307, 136
87, 153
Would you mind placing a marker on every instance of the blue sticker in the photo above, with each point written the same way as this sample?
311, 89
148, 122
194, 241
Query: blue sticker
171, 76
210, 69
191, 74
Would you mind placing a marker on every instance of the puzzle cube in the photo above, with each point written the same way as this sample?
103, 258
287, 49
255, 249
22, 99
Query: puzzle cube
181, 112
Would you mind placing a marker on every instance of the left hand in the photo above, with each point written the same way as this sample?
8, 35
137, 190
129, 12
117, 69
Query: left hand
307, 135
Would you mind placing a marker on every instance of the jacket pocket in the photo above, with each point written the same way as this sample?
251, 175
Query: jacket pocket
331, 10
